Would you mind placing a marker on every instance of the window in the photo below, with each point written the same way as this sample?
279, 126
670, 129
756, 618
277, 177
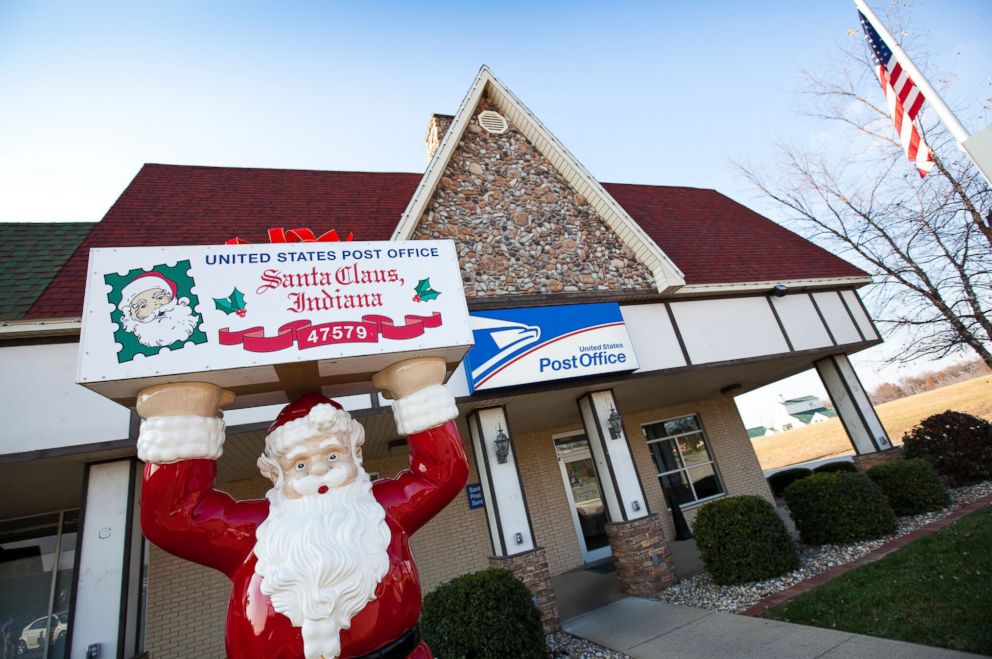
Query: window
36, 573
685, 466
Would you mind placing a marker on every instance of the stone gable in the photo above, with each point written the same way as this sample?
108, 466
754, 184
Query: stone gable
518, 226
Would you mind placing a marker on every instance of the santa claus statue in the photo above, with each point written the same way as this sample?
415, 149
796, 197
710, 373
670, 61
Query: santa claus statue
322, 567
149, 310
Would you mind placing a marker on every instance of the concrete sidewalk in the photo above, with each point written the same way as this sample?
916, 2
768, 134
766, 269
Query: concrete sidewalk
645, 628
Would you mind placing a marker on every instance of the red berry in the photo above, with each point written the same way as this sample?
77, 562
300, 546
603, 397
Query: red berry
241, 312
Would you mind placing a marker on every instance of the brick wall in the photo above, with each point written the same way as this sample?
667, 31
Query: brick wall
866, 461
457, 540
641, 555
736, 463
531, 568
187, 602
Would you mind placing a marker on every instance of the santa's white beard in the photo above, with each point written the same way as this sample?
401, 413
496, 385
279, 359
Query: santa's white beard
176, 323
321, 558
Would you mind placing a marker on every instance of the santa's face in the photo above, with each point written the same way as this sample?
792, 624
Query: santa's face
157, 318
146, 305
317, 466
322, 549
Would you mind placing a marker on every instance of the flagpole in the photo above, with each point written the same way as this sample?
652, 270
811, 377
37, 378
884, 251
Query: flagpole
959, 132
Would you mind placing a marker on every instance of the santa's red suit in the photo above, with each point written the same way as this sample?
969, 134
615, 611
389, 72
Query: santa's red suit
182, 513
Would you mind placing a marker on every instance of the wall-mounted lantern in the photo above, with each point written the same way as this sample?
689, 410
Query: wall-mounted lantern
616, 424
502, 445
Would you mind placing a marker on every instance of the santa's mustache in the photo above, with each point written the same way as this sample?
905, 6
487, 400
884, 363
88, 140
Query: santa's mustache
160, 313
310, 484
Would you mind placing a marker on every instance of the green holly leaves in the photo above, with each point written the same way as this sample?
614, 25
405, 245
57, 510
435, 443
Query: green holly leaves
424, 291
233, 303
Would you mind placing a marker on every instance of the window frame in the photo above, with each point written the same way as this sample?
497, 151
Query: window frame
685, 469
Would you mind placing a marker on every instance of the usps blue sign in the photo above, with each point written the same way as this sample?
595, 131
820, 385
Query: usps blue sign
540, 344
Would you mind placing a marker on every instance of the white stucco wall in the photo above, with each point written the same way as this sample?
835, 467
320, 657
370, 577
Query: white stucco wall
722, 330
46, 408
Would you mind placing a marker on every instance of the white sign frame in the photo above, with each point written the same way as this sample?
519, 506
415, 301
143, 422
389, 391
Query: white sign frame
362, 300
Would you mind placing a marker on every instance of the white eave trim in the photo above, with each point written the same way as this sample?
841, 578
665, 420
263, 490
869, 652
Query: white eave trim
745, 287
667, 275
24, 329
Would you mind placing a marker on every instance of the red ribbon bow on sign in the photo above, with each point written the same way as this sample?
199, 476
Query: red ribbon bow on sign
281, 235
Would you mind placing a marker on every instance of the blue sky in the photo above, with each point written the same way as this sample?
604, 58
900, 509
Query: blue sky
661, 93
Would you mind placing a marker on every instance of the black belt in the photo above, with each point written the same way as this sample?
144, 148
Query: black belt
398, 649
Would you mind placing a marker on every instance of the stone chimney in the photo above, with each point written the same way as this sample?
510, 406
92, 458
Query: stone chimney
436, 128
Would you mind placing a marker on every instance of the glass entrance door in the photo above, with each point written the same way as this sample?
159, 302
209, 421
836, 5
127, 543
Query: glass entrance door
585, 497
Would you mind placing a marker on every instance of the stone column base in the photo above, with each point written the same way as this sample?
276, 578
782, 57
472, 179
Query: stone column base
531, 567
640, 554
866, 461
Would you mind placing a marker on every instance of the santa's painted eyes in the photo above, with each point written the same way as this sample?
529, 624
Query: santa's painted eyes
301, 466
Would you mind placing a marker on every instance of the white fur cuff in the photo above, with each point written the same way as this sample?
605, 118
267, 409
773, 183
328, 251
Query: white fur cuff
165, 439
428, 408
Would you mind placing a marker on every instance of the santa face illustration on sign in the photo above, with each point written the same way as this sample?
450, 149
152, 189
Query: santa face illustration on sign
150, 311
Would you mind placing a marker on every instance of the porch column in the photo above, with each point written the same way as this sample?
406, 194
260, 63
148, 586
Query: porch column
108, 563
637, 539
511, 531
855, 410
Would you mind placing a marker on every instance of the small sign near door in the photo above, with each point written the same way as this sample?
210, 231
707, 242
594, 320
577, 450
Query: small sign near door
474, 493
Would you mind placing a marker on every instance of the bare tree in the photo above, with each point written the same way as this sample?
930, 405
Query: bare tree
927, 243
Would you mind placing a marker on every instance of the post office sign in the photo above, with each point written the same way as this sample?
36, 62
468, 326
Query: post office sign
268, 320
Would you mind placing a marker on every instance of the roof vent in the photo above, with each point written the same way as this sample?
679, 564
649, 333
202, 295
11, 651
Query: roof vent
493, 122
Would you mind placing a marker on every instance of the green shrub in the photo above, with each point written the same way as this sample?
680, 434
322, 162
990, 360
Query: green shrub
830, 467
743, 539
911, 486
783, 479
484, 614
958, 445
838, 508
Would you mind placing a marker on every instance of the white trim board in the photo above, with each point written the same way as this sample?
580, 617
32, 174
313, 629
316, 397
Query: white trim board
766, 286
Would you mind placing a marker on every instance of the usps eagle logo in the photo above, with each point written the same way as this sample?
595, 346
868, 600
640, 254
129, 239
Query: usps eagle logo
500, 340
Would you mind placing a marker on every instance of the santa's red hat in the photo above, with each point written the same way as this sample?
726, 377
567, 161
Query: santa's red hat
312, 415
145, 281
301, 407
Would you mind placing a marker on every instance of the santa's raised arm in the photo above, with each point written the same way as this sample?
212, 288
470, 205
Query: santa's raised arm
322, 566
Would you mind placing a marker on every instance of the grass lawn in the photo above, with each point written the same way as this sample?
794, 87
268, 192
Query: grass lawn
828, 439
935, 591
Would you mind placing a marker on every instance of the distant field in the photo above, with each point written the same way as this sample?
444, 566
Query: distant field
828, 439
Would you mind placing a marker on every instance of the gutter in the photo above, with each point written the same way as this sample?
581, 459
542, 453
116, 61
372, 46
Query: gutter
27, 329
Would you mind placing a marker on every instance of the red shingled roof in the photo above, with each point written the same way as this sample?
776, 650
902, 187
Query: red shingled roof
712, 238
715, 240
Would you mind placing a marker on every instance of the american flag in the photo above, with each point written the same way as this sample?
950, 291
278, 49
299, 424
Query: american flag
903, 96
